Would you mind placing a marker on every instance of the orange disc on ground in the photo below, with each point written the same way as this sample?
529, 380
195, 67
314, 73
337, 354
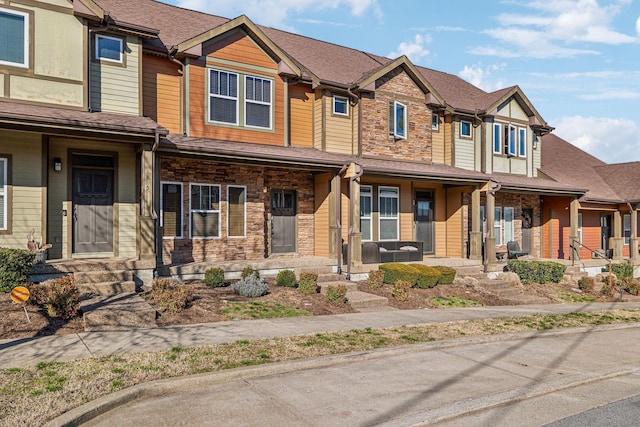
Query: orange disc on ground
20, 294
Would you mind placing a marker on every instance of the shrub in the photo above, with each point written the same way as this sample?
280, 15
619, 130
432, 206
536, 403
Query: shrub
427, 277
400, 290
286, 278
447, 274
249, 271
214, 277
59, 296
250, 286
586, 284
170, 295
336, 294
14, 267
631, 285
537, 271
375, 279
608, 288
308, 283
622, 270
394, 271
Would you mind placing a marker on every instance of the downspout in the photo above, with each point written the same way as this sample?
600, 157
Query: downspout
183, 91
338, 213
154, 212
91, 31
358, 173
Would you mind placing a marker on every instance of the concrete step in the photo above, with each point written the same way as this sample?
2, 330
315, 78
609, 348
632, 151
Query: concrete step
117, 312
101, 276
362, 300
471, 270
351, 286
107, 288
329, 277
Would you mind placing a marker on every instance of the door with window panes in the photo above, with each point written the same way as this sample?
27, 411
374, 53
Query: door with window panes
424, 220
283, 221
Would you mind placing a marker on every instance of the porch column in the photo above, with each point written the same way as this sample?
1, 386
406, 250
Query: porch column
618, 240
574, 247
475, 236
490, 241
355, 236
335, 239
147, 235
633, 239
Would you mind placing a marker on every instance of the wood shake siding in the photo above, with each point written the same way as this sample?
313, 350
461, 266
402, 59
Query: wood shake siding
162, 88
301, 116
376, 142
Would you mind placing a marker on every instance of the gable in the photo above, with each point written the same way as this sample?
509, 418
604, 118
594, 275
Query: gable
513, 110
235, 47
397, 81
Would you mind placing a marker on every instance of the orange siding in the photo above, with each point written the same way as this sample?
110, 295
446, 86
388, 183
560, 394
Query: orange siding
301, 117
321, 220
406, 212
161, 89
454, 225
236, 46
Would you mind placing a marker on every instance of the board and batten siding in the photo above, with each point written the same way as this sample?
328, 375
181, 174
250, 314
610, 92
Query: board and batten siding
301, 115
26, 196
162, 92
115, 88
465, 148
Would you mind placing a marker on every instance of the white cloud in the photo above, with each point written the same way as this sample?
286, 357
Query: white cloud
415, 50
275, 13
482, 77
611, 140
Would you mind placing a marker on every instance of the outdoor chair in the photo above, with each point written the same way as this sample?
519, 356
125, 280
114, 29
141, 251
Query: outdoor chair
513, 248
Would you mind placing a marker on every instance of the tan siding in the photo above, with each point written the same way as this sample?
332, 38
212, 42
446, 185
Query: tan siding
438, 138
301, 117
318, 136
406, 212
464, 148
454, 224
339, 129
161, 88
321, 221
448, 141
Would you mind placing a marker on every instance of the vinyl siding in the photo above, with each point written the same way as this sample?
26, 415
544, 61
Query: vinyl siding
454, 225
301, 116
162, 88
318, 134
464, 148
321, 221
339, 129
438, 138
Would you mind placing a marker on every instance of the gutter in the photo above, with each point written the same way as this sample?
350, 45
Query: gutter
155, 190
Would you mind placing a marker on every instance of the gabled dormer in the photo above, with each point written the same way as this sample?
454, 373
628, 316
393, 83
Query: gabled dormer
237, 84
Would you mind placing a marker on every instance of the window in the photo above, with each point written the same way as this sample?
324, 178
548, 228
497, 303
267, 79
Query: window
4, 165
236, 211
340, 105
508, 224
497, 138
580, 228
465, 129
397, 120
626, 227
171, 209
435, 122
14, 38
109, 48
510, 140
205, 210
497, 225
223, 97
366, 202
522, 142
257, 102
388, 207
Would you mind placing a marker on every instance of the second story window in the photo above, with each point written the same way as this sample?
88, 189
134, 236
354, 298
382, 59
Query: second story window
109, 48
398, 120
510, 140
340, 105
435, 122
14, 38
497, 138
223, 97
522, 142
257, 102
465, 129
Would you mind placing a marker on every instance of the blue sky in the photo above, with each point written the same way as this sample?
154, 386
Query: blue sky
578, 61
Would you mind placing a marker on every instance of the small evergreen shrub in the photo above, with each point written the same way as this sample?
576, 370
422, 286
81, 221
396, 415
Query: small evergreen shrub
336, 294
60, 297
249, 271
537, 271
447, 274
622, 270
15, 265
250, 286
586, 284
214, 277
400, 290
427, 276
394, 271
375, 279
308, 283
170, 295
286, 278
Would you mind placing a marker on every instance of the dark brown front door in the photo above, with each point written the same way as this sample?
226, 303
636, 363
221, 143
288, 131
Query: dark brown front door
283, 221
424, 220
92, 210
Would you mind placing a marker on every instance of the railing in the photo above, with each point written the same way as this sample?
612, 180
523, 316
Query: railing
597, 254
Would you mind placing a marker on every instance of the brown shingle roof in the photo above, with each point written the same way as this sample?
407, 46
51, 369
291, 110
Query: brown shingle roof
623, 178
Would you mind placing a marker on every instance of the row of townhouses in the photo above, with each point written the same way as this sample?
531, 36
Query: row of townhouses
142, 130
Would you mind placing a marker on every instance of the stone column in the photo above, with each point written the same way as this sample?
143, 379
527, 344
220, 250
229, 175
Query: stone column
574, 246
147, 225
475, 235
617, 239
490, 241
355, 235
335, 238
633, 239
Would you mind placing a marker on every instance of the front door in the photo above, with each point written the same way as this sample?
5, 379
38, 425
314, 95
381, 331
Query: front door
424, 220
527, 223
605, 231
283, 221
92, 210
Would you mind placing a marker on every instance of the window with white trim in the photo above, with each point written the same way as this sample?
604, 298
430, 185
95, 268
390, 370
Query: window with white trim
497, 225
522, 142
340, 105
510, 140
580, 228
398, 120
435, 121
257, 104
171, 210
205, 210
236, 211
4, 166
14, 38
109, 48
465, 129
223, 97
497, 138
366, 207
388, 208
626, 227
508, 224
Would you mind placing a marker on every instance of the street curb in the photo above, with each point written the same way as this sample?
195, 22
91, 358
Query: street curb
102, 405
